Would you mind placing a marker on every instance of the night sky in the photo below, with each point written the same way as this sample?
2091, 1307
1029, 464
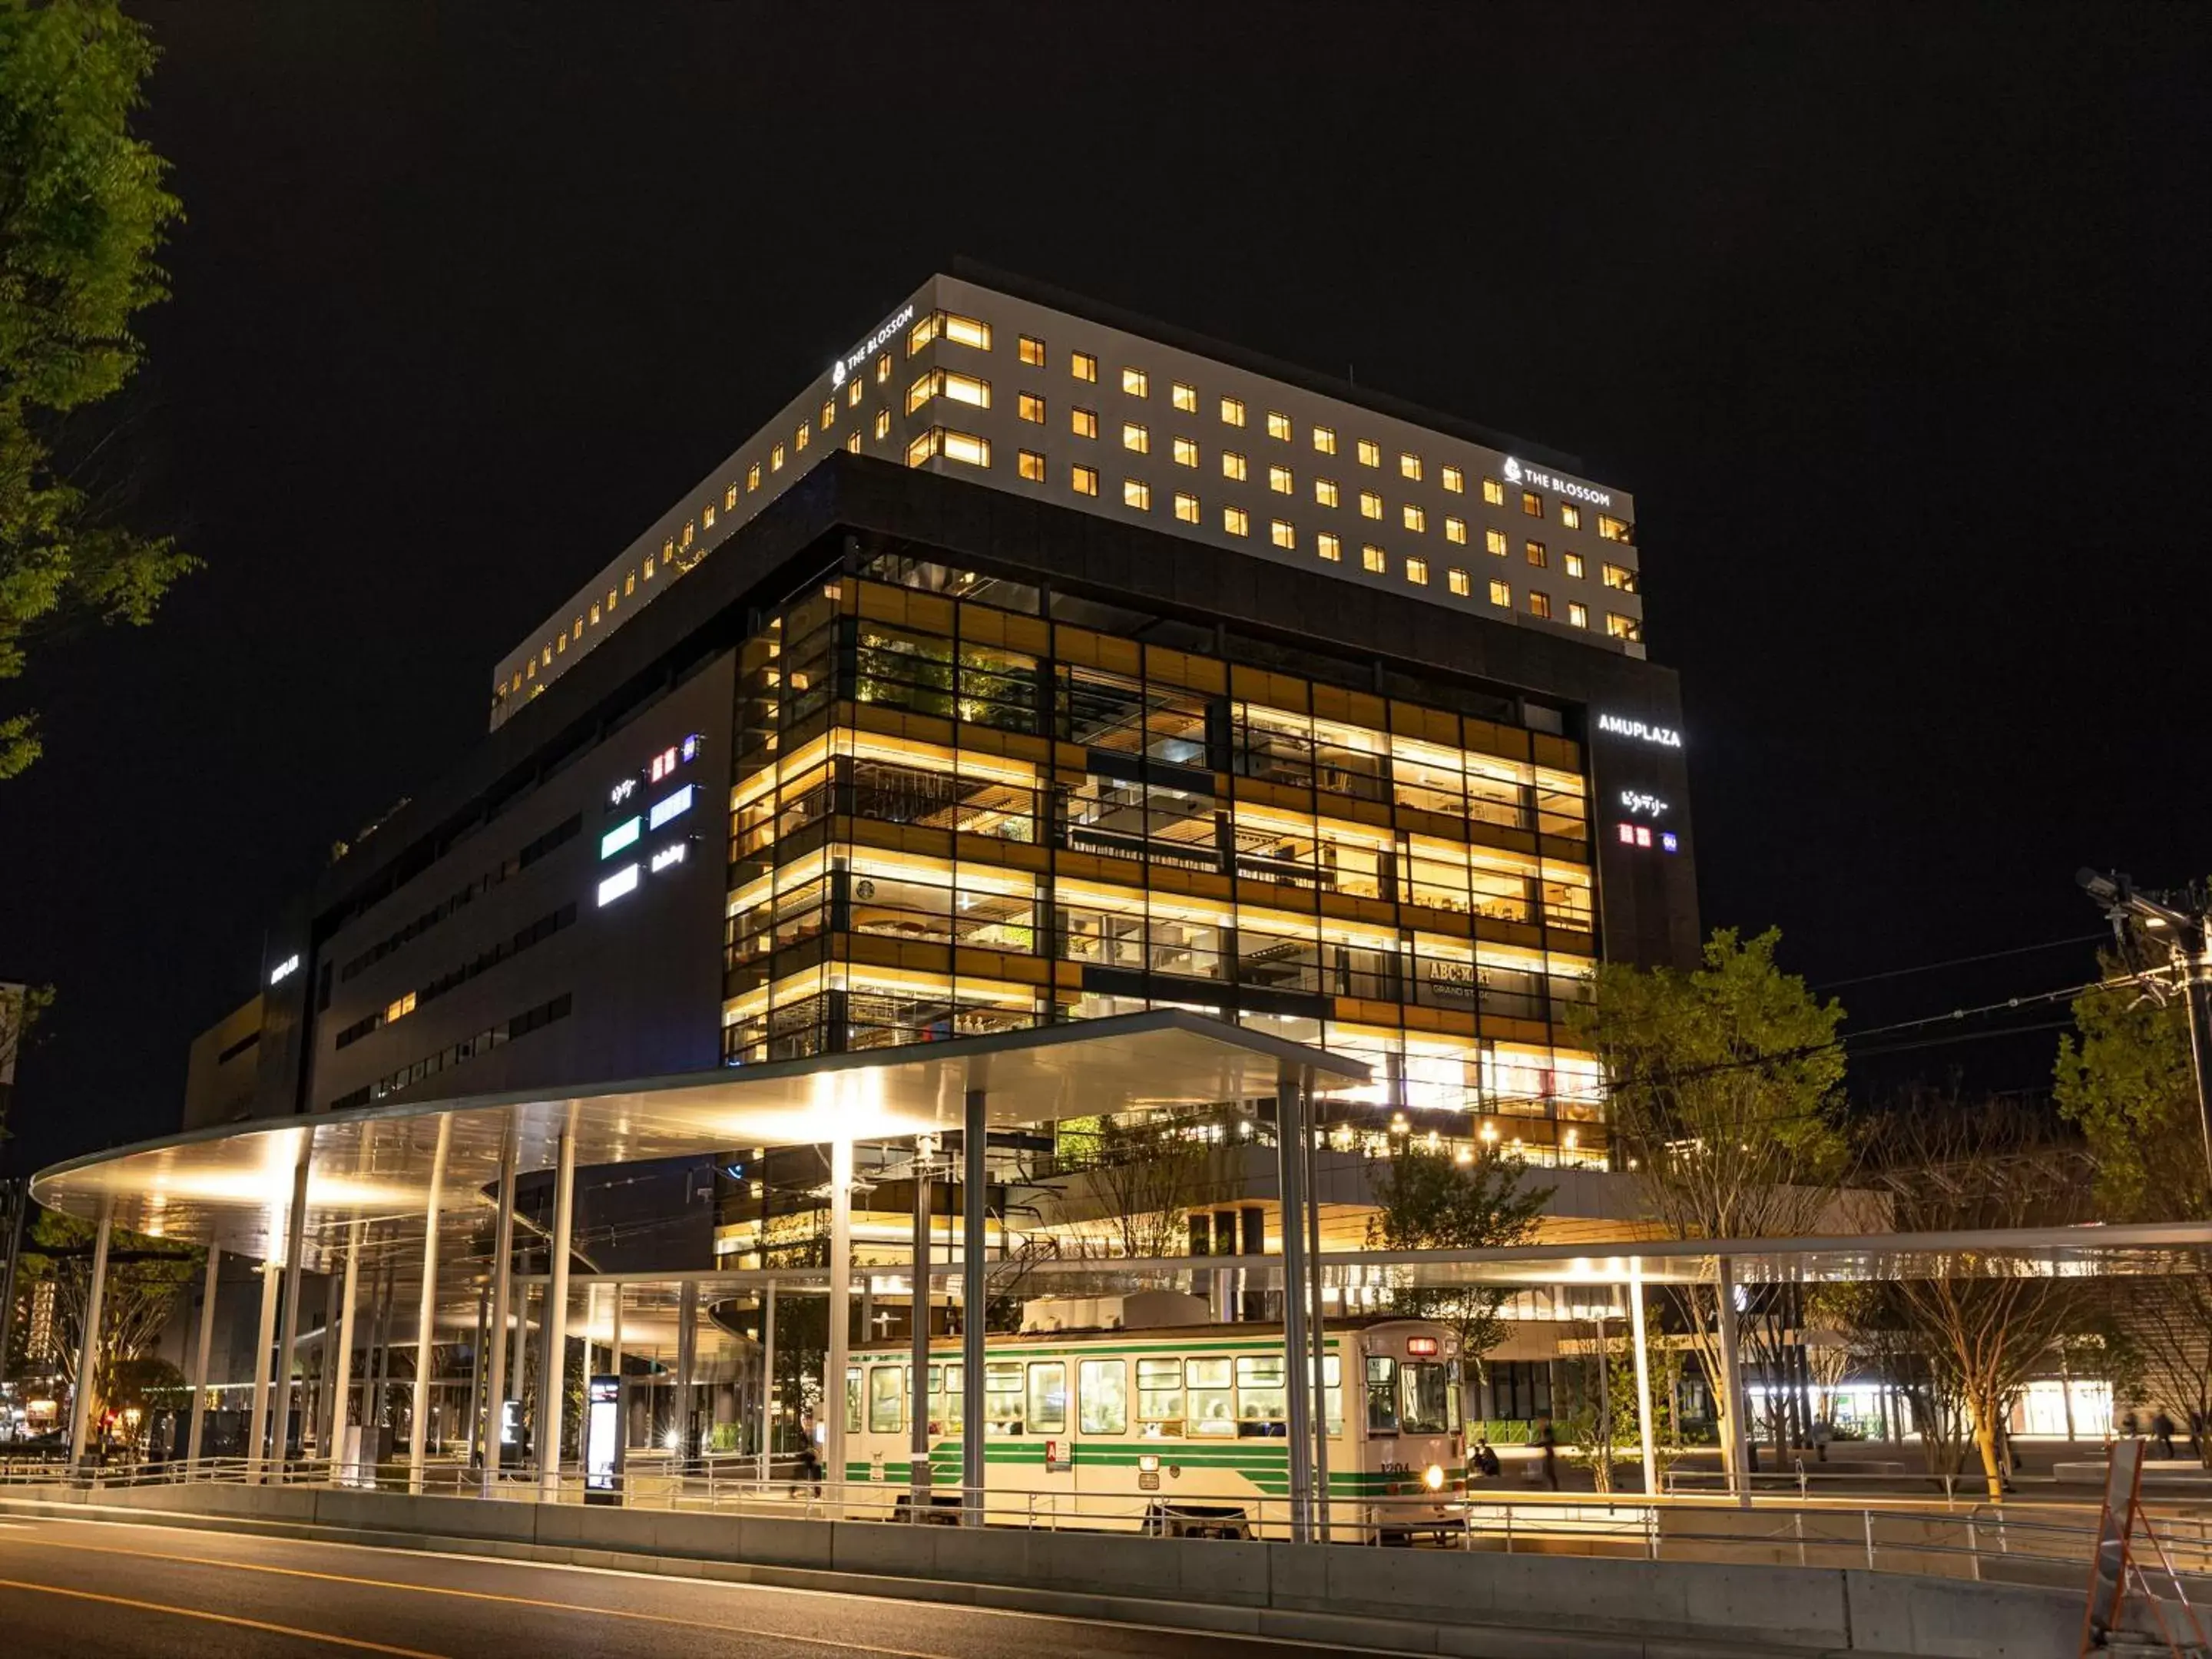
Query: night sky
1892, 319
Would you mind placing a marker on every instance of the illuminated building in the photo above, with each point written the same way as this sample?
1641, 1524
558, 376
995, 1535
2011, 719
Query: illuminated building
1038, 664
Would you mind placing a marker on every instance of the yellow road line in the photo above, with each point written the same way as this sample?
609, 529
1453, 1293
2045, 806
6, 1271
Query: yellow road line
465, 1595
220, 1619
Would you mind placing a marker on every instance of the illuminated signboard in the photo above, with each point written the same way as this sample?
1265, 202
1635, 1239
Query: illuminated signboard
667, 856
674, 806
623, 880
1665, 737
624, 834
1636, 802
852, 360
285, 969
1642, 834
1516, 473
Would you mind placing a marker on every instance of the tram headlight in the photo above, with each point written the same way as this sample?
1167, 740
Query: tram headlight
1434, 1477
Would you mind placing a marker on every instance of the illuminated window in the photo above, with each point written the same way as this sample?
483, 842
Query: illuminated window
752, 477
883, 423
1577, 615
1371, 453
1540, 604
1417, 572
1232, 411
883, 368
1611, 529
1136, 493
963, 388
966, 330
1282, 533
1325, 440
1029, 407
1329, 548
1570, 516
854, 390
730, 497
1185, 451
1532, 504
853, 444
1083, 366
1084, 423
1572, 562
1455, 481
1415, 518
1371, 504
1500, 594
1279, 426
1085, 480
629, 583
1409, 466
595, 613
1537, 555
1619, 626
1186, 507
1372, 558
1456, 530
1278, 480
922, 332
1029, 464
1136, 437
1031, 349
1232, 465
1184, 396
775, 458
962, 446
1493, 492
1325, 491
920, 391
1457, 581
1136, 383
400, 1009
706, 518
1236, 521
828, 413
1619, 576
1493, 541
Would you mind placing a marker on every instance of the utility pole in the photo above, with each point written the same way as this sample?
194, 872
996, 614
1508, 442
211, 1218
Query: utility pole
2187, 934
14, 1205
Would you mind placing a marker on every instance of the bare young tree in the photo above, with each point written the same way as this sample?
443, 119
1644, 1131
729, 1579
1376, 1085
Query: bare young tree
1989, 1319
1146, 1172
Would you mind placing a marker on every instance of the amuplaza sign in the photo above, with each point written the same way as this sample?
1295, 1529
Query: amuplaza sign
1664, 737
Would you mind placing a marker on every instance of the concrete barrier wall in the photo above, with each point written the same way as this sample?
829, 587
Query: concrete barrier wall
1614, 1605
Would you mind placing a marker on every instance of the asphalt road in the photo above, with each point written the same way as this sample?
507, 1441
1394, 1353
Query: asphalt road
98, 1590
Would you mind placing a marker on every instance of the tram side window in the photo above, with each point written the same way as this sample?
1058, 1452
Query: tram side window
946, 1403
1428, 1400
1382, 1394
853, 1400
1102, 1396
886, 1400
1002, 1397
1159, 1398
1262, 1399
1213, 1398
1332, 1390
1049, 1397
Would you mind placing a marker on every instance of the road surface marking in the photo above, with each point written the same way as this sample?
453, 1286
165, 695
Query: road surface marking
220, 1619
439, 1589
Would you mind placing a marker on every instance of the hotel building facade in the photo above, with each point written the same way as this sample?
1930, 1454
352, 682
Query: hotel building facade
1038, 663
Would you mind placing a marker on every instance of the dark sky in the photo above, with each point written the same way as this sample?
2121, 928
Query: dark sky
1893, 321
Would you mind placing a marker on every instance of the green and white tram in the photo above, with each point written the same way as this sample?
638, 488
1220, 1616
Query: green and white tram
1177, 1429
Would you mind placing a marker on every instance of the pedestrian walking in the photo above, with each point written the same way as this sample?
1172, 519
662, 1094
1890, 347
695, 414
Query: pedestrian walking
1548, 1438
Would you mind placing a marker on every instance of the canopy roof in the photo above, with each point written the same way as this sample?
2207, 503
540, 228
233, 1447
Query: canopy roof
231, 1185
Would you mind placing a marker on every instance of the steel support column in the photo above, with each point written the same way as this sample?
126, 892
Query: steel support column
551, 1381
686, 1368
257, 1443
426, 1321
975, 1141
841, 1306
502, 1283
917, 1402
200, 1356
1734, 1422
1643, 1375
1319, 1396
341, 1404
295, 1236
87, 1351
327, 1366
767, 1379
1291, 1167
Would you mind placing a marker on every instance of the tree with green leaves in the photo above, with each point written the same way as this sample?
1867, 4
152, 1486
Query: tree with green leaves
2124, 1077
1725, 1092
1428, 1199
145, 1278
83, 211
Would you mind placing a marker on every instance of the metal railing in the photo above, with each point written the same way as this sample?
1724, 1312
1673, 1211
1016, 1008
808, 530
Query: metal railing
2014, 1542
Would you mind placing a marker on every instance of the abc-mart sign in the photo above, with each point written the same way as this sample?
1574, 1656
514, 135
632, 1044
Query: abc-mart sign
1516, 473
851, 362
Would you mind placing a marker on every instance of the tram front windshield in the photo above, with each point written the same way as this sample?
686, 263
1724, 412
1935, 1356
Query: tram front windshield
1428, 1400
